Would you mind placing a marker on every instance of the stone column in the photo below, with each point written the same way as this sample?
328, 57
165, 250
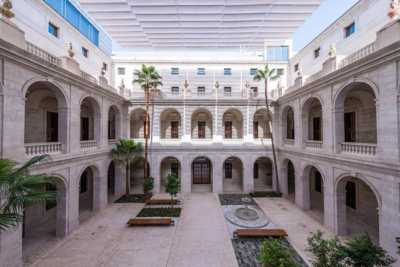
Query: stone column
186, 175
338, 126
155, 162
283, 179
75, 121
64, 128
62, 211
102, 138
248, 179
329, 202
298, 124
303, 192
217, 176
100, 194
120, 179
73, 200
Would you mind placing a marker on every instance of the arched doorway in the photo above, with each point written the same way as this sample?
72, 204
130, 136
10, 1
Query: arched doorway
232, 124
262, 174
202, 124
137, 176
90, 120
86, 193
137, 123
46, 119
312, 120
358, 208
113, 123
45, 222
169, 165
201, 175
111, 182
233, 175
314, 192
170, 122
355, 118
262, 124
291, 181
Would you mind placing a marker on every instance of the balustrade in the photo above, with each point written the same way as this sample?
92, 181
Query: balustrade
359, 148
314, 144
32, 149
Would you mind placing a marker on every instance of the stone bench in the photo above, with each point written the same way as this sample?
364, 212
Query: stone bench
260, 233
162, 201
150, 221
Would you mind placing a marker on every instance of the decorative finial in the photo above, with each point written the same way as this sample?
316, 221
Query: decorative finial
394, 9
186, 84
122, 85
332, 51
247, 84
103, 71
5, 9
71, 51
216, 84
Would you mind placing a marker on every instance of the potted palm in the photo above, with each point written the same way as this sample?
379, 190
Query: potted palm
148, 79
127, 151
19, 189
266, 74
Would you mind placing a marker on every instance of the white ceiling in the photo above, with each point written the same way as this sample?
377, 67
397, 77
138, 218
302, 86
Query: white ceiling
199, 23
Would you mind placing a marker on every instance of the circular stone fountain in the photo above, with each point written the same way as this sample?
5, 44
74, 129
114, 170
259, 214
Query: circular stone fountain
248, 216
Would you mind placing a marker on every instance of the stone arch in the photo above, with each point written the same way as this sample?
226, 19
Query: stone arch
90, 119
356, 114
111, 180
232, 171
46, 116
262, 123
288, 124
89, 191
114, 123
314, 182
263, 173
312, 119
201, 170
289, 177
170, 124
136, 122
358, 203
201, 124
232, 123
168, 165
61, 92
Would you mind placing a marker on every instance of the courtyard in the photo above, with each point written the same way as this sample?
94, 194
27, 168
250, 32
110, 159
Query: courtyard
200, 237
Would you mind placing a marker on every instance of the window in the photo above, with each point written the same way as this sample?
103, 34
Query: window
53, 29
175, 168
228, 170
253, 71
227, 71
201, 131
227, 91
85, 52
121, 71
255, 129
351, 195
318, 182
277, 53
296, 67
255, 171
317, 129
228, 129
174, 129
71, 14
317, 52
174, 71
175, 90
201, 90
349, 30
201, 71
280, 71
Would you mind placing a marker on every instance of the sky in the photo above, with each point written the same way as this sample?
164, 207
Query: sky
326, 14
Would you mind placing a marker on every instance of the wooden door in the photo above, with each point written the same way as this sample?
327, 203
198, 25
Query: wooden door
201, 172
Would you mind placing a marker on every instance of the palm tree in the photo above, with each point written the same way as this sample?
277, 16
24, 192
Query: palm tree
127, 151
148, 78
267, 75
19, 189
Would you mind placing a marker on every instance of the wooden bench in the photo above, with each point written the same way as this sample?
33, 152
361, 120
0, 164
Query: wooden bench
260, 233
150, 221
162, 201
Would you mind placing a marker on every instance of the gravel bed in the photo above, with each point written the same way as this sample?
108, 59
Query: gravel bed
234, 199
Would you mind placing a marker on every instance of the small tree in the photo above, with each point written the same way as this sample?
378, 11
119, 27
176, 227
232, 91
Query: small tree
327, 252
172, 186
360, 251
148, 186
19, 189
274, 253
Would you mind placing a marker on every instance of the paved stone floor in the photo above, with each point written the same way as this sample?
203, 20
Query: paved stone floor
284, 214
200, 238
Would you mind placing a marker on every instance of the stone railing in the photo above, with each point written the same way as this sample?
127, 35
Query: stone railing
363, 52
359, 148
34, 50
88, 144
314, 144
43, 148
88, 77
170, 141
288, 142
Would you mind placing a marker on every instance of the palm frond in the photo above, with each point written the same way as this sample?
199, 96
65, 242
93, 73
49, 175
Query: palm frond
9, 220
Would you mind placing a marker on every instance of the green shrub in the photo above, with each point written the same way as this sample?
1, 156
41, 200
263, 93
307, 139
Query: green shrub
148, 184
327, 252
172, 186
360, 251
274, 253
